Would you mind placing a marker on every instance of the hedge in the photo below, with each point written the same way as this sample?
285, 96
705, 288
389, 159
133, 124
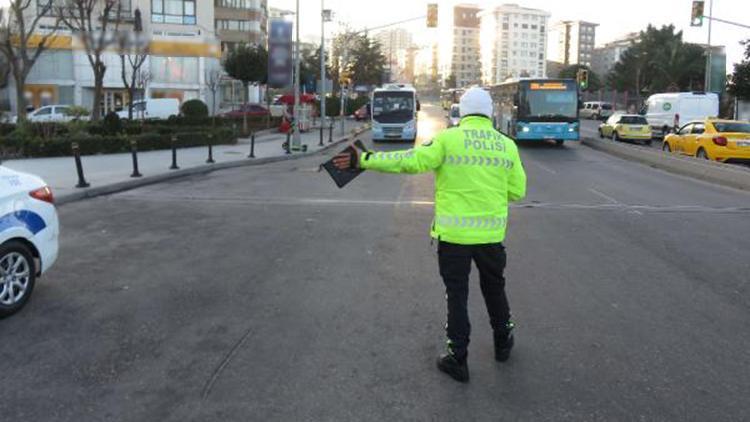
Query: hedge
109, 144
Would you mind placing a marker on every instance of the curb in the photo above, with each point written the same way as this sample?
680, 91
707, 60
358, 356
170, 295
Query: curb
707, 171
203, 169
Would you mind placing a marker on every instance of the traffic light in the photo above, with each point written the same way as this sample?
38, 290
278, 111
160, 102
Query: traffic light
696, 17
432, 15
582, 77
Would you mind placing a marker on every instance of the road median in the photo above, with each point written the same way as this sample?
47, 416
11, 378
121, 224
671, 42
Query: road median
708, 171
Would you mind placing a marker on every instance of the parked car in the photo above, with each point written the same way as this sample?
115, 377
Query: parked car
660, 109
712, 139
153, 109
626, 126
49, 113
598, 110
454, 115
29, 231
362, 113
249, 110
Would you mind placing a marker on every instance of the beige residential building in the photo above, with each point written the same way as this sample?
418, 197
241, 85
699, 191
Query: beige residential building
514, 43
459, 45
182, 47
241, 22
575, 42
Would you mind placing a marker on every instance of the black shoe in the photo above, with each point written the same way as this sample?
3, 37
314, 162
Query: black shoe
457, 369
504, 343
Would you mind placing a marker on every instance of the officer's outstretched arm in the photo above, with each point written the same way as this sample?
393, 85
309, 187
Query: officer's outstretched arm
516, 179
425, 157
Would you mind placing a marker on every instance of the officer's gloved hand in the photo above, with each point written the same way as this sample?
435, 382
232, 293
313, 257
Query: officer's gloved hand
348, 159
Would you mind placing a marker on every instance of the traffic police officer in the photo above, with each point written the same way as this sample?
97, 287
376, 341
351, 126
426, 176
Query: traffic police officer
477, 172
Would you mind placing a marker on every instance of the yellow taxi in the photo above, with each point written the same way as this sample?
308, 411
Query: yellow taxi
621, 126
712, 139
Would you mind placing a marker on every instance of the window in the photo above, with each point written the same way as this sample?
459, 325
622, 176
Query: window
175, 69
181, 12
233, 25
44, 111
235, 4
686, 129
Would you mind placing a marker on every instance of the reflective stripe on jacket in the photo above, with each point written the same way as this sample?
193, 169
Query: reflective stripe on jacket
477, 172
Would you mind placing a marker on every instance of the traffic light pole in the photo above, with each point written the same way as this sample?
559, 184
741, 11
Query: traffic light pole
707, 86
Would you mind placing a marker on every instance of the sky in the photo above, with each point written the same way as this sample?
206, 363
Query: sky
615, 18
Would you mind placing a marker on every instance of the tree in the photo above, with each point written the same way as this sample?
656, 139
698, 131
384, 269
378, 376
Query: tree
310, 65
213, 83
451, 81
571, 72
248, 64
739, 84
659, 61
133, 54
21, 44
92, 21
367, 63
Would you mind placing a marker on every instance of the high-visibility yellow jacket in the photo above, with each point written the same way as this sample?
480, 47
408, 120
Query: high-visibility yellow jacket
477, 172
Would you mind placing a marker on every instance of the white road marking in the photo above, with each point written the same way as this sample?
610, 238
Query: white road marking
605, 196
542, 166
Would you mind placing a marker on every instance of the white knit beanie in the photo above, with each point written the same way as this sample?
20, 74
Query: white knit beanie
476, 101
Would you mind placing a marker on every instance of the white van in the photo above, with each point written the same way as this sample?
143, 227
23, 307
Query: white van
153, 108
598, 110
660, 109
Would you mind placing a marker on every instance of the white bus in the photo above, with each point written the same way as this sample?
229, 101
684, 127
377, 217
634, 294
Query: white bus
394, 113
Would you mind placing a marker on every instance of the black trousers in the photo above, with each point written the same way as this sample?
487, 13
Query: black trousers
455, 266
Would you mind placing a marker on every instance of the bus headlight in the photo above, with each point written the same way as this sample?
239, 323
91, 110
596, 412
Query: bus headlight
525, 129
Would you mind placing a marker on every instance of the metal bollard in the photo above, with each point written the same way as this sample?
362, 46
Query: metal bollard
252, 145
289, 142
320, 144
210, 159
79, 167
134, 151
330, 132
174, 154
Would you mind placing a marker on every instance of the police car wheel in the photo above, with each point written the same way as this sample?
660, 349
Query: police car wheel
17, 277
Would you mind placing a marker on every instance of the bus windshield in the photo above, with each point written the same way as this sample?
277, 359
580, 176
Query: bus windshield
393, 107
548, 104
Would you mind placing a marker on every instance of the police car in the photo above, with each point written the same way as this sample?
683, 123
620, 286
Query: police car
29, 232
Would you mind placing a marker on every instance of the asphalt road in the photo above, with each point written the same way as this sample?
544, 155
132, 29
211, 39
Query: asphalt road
265, 293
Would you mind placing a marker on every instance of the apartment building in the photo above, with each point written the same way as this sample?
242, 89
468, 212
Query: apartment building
575, 42
514, 43
241, 22
605, 57
182, 47
459, 45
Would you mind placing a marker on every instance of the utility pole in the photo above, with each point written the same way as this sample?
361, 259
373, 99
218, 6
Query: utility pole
325, 16
707, 87
297, 139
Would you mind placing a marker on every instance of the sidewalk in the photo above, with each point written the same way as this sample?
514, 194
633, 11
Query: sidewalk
113, 170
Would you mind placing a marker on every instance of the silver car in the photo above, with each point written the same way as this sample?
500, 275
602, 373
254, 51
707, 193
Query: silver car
454, 115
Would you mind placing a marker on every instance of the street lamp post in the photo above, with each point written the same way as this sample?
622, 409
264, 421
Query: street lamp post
325, 16
297, 139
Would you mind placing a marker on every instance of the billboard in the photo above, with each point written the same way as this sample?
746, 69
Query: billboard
280, 61
718, 81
